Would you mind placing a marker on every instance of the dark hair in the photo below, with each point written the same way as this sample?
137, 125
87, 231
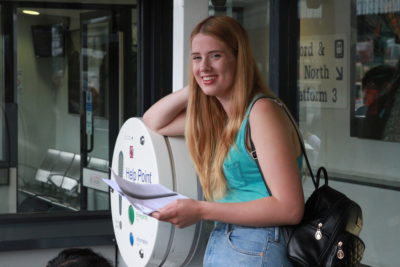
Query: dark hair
379, 75
78, 257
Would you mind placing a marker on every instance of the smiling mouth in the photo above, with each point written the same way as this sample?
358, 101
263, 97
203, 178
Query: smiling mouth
208, 78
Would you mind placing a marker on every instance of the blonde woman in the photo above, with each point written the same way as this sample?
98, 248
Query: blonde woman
225, 95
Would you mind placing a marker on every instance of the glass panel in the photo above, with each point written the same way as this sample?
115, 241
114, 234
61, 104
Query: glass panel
339, 43
2, 106
48, 129
376, 99
95, 41
254, 17
51, 76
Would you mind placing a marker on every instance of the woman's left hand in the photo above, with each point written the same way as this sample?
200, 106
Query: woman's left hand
181, 212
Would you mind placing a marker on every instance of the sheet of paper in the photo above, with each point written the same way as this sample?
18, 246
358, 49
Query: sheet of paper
142, 191
147, 205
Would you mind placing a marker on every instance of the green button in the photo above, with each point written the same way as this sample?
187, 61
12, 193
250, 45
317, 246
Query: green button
131, 214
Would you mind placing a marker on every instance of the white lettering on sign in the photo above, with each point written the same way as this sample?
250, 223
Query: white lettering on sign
138, 175
324, 71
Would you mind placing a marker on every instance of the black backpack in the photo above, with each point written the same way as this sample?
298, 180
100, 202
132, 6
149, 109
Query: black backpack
328, 233
327, 236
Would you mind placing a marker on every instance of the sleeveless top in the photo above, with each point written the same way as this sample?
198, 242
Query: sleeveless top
244, 181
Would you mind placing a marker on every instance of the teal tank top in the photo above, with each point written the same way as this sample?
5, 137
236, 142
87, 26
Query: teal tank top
244, 181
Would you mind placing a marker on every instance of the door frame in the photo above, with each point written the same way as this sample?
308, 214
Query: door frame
82, 228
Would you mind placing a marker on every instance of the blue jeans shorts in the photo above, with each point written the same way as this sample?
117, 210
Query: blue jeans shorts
233, 246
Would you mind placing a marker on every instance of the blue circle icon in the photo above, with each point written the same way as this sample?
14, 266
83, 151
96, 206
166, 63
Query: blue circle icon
131, 239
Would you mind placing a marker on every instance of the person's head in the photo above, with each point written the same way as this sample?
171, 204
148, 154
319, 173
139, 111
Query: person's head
222, 70
376, 82
78, 257
220, 47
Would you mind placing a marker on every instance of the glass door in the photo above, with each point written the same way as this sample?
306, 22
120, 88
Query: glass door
96, 35
68, 113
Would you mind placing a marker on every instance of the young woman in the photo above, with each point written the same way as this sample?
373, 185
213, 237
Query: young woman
225, 95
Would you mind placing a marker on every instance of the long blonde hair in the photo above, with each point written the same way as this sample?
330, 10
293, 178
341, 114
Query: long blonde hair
209, 132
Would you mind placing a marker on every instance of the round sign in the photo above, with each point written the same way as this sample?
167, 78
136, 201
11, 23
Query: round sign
145, 157
140, 156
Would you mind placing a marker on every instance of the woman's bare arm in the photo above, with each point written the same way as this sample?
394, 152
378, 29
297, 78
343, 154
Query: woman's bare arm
167, 116
277, 152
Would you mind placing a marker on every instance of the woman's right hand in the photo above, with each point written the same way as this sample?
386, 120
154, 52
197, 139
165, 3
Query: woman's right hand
167, 116
181, 212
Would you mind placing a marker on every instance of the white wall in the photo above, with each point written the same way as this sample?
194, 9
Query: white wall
187, 13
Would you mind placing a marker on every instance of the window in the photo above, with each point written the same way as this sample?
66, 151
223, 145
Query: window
340, 41
66, 103
376, 98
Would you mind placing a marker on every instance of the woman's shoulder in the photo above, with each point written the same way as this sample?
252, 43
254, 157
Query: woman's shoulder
267, 107
269, 113
269, 118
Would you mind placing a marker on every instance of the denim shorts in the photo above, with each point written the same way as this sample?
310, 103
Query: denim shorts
233, 245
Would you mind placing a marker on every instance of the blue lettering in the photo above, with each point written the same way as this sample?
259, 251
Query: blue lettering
131, 174
144, 177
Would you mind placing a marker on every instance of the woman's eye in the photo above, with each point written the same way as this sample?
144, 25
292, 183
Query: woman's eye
216, 56
196, 58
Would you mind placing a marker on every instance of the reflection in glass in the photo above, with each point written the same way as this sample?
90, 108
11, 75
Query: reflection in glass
95, 39
376, 101
50, 97
365, 169
48, 136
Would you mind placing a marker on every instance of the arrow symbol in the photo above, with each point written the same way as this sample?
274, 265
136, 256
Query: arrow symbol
339, 72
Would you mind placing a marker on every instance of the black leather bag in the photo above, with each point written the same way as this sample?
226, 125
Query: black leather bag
328, 232
327, 236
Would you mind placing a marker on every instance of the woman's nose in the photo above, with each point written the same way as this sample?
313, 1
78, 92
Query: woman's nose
204, 65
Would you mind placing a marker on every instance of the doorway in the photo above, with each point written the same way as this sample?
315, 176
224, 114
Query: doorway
73, 68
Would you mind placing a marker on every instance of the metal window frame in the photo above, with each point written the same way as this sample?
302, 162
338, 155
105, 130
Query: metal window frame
10, 106
155, 34
54, 230
68, 229
283, 51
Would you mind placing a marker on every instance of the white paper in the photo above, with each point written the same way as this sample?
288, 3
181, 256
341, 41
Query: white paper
142, 191
147, 206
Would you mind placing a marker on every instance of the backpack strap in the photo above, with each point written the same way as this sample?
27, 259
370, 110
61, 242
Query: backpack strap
303, 150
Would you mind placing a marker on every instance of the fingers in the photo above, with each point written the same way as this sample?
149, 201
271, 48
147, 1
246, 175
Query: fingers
165, 213
181, 213
155, 214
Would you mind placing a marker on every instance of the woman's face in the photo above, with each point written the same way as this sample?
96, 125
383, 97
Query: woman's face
213, 66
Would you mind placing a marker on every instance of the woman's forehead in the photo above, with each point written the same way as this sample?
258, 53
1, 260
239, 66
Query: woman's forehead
201, 42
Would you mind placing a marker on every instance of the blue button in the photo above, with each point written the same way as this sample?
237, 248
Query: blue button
131, 239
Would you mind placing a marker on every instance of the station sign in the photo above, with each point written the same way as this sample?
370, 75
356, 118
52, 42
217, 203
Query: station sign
324, 71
